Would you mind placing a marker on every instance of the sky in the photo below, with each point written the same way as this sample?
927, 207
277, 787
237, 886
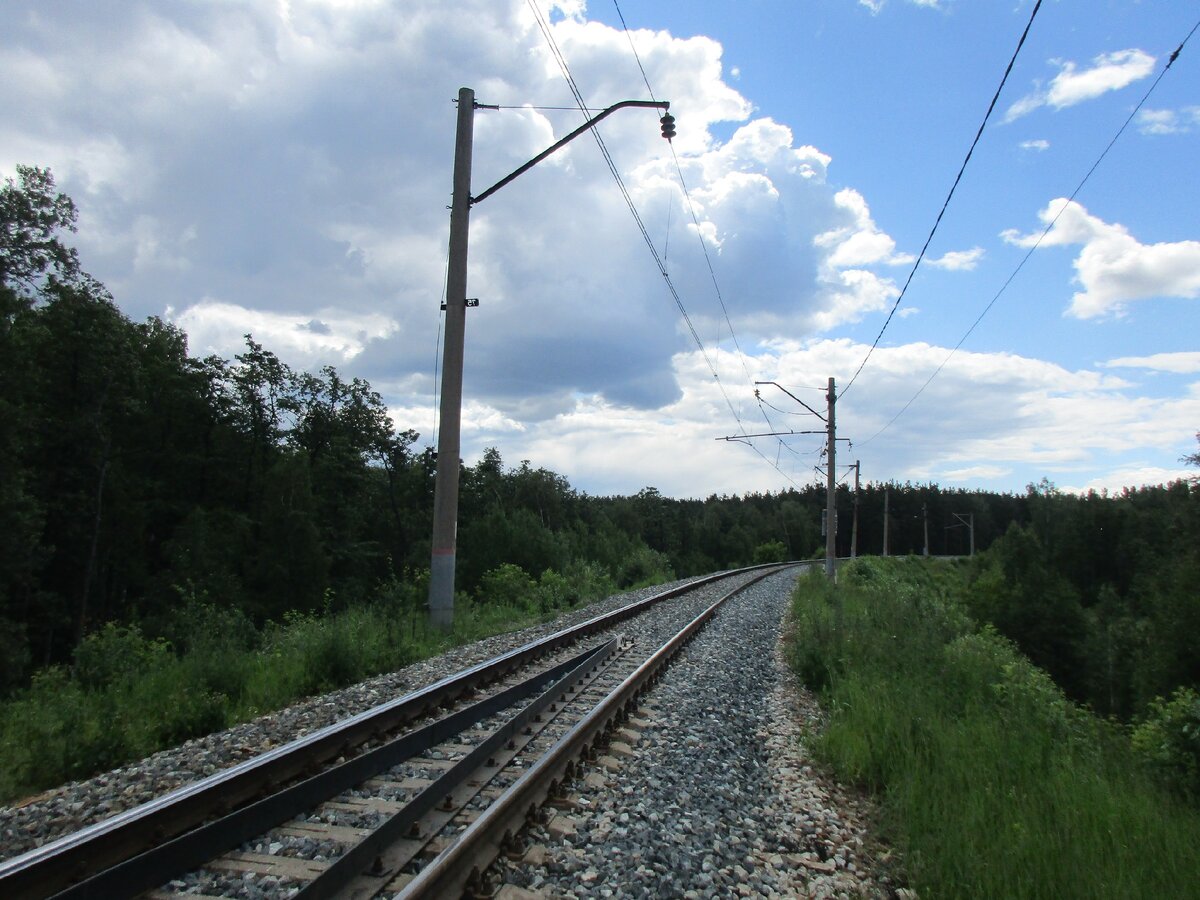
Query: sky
283, 168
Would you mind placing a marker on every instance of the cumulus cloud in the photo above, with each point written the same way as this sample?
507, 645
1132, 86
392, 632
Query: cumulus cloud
1186, 362
331, 336
959, 260
1072, 85
1039, 144
988, 417
1113, 267
284, 169
264, 166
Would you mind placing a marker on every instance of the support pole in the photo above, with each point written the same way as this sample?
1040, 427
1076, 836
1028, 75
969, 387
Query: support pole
854, 528
925, 517
831, 488
971, 528
445, 491
886, 493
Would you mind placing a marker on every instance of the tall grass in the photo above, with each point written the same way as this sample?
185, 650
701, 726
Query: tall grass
991, 783
129, 695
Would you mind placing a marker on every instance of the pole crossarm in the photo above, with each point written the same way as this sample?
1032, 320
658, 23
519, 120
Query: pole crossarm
742, 437
794, 397
649, 104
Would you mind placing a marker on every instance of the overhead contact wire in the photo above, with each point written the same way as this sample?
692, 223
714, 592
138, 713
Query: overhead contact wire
1041, 237
695, 220
978, 134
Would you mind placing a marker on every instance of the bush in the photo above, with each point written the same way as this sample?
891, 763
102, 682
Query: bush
508, 585
772, 552
55, 731
116, 653
1169, 740
644, 567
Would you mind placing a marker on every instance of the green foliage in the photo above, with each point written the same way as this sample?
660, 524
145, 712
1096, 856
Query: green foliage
508, 585
1016, 590
129, 695
116, 653
1169, 739
644, 567
770, 552
992, 782
32, 216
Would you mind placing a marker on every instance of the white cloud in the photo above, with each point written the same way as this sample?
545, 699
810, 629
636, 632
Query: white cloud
1185, 363
860, 242
284, 169
1113, 482
1113, 267
875, 6
309, 338
1038, 144
1072, 85
990, 418
959, 260
975, 474
1168, 121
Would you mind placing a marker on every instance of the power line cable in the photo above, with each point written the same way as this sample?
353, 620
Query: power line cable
1041, 237
695, 221
629, 37
547, 33
544, 26
942, 212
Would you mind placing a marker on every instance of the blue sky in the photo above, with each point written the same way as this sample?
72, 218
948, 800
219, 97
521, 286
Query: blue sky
282, 167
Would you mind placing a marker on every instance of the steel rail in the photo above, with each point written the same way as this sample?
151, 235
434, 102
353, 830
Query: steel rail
359, 857
476, 846
192, 849
51, 868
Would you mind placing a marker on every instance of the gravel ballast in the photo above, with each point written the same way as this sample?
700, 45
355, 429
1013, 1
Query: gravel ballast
717, 797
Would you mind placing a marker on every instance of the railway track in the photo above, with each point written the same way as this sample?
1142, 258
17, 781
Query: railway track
414, 797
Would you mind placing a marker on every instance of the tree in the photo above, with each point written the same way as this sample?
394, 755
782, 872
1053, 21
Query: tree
1015, 589
31, 217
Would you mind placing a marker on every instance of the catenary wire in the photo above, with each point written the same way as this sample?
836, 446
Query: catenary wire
565, 68
543, 25
942, 212
1041, 237
695, 221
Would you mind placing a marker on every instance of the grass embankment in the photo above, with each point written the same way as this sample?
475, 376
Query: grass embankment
128, 695
991, 783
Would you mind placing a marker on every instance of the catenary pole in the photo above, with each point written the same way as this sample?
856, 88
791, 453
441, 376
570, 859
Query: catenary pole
886, 495
854, 529
831, 487
445, 491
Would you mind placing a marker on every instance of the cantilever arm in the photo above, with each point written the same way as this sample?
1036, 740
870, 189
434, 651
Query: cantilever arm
652, 104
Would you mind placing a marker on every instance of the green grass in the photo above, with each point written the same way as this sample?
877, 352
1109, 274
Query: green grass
128, 696
991, 783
